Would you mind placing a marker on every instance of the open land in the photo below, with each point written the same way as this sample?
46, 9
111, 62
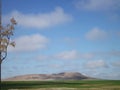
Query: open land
62, 85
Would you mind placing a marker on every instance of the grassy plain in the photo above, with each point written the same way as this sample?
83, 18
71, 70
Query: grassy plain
62, 85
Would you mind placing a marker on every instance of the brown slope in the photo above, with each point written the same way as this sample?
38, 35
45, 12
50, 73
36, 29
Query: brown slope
59, 76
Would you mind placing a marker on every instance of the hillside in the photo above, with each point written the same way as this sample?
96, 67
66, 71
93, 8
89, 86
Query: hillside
42, 77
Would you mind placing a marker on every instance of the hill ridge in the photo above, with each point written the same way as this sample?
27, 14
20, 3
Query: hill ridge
54, 76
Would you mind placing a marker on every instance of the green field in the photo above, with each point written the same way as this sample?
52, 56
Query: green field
62, 85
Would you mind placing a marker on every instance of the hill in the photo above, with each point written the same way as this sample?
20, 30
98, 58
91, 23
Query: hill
43, 77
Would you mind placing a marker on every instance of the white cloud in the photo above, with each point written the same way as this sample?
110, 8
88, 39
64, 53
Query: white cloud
76, 55
66, 55
95, 64
40, 20
30, 43
73, 54
95, 5
96, 34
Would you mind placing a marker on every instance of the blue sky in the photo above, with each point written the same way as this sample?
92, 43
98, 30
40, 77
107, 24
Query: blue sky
55, 36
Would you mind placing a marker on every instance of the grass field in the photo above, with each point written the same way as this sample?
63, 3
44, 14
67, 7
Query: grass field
62, 85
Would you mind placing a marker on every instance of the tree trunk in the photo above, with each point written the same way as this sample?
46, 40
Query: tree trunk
0, 68
0, 36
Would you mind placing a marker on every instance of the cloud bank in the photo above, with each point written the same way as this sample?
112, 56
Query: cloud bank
96, 34
40, 20
68, 55
96, 64
29, 43
98, 5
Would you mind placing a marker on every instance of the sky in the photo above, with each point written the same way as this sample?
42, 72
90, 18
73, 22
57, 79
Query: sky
54, 36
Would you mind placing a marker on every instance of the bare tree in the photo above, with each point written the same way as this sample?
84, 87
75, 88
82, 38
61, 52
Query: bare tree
5, 34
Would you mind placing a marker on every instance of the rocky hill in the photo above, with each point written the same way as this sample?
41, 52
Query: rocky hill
43, 77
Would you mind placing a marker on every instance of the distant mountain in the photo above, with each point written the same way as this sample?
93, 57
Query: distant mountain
43, 77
